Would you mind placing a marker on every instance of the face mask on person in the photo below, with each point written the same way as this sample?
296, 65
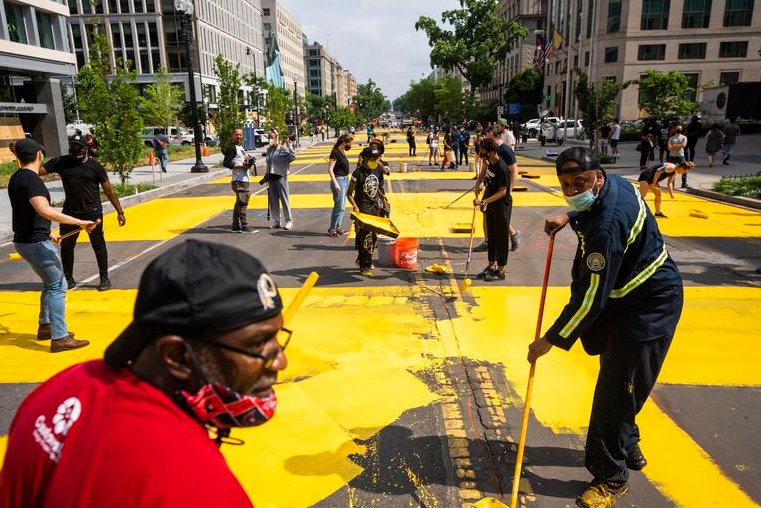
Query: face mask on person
223, 407
347, 146
582, 201
372, 164
78, 152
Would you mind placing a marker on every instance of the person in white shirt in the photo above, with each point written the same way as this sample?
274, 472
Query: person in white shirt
615, 135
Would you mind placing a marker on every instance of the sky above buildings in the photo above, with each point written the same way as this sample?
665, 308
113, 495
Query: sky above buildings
374, 39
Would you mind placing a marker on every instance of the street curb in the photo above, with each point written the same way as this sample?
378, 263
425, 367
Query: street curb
732, 200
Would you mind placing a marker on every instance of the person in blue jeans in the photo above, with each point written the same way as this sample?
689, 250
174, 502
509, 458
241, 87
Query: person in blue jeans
338, 169
160, 144
456, 142
31, 216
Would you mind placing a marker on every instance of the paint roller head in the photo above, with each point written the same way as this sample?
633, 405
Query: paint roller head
698, 214
464, 285
489, 502
14, 256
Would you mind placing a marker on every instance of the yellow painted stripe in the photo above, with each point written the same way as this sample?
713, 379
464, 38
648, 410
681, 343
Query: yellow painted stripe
638, 223
586, 306
641, 276
680, 468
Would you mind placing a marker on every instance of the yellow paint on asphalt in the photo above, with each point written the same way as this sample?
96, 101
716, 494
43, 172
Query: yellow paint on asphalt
723, 220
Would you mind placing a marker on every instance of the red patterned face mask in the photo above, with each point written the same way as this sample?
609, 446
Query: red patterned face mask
222, 407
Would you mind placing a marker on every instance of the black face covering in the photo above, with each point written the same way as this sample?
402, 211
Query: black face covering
79, 152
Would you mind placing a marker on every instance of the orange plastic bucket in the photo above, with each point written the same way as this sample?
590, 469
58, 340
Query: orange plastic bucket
406, 253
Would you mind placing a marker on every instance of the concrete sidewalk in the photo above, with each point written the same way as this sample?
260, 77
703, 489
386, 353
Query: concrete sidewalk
745, 161
177, 177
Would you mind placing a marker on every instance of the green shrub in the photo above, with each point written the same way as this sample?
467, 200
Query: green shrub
747, 187
129, 189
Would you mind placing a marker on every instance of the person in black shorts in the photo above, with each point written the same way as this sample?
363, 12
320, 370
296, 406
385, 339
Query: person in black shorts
82, 176
650, 179
338, 169
367, 196
496, 204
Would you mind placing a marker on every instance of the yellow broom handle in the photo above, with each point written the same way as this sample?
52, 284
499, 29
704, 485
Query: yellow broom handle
300, 297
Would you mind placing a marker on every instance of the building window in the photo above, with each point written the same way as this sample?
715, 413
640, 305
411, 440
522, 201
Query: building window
265, 11
150, 5
267, 27
734, 49
692, 51
139, 6
696, 14
590, 17
586, 58
614, 16
611, 55
729, 78
14, 15
738, 12
651, 52
73, 7
45, 29
692, 81
655, 14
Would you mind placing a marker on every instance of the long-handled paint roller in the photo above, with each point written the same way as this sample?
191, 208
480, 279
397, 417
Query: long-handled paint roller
15, 256
527, 404
461, 196
465, 284
300, 297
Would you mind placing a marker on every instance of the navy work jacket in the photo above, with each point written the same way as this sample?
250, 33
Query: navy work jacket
625, 285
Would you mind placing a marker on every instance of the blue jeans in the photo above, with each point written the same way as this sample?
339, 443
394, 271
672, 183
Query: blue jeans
339, 201
46, 263
163, 157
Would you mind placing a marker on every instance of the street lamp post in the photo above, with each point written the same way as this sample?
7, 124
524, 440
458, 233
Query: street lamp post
296, 112
185, 8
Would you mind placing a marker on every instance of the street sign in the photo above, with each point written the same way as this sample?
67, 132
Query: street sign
23, 107
500, 110
514, 108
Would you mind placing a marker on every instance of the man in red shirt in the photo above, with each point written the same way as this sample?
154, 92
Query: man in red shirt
135, 429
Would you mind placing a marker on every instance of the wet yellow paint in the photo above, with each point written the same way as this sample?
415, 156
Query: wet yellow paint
163, 218
723, 220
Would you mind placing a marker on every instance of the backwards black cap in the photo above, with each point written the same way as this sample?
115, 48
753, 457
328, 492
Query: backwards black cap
584, 157
196, 288
28, 146
370, 152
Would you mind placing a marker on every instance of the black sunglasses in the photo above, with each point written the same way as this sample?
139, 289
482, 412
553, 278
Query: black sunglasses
283, 338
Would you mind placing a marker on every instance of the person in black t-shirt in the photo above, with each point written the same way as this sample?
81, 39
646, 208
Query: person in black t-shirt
411, 142
82, 176
32, 213
650, 179
496, 204
366, 195
338, 169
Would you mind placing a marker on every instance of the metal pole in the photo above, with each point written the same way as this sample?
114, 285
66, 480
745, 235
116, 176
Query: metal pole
296, 112
568, 74
199, 166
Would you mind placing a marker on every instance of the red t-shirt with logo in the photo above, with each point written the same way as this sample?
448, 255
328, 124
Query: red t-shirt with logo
93, 436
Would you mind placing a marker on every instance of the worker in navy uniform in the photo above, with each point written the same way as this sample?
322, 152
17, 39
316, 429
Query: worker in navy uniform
367, 196
626, 299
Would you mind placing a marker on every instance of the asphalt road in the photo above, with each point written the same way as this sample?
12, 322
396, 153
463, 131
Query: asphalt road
403, 391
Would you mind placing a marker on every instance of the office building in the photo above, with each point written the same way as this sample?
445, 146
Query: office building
319, 66
287, 32
35, 58
710, 41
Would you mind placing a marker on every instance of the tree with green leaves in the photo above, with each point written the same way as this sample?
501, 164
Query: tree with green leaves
185, 115
450, 99
229, 115
315, 105
370, 101
525, 87
664, 96
420, 99
108, 100
162, 100
69, 103
596, 101
342, 118
479, 38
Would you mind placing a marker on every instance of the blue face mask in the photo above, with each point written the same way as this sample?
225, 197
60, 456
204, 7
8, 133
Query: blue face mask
582, 201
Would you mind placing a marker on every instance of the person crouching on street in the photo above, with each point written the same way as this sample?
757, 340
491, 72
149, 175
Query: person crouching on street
279, 158
496, 204
339, 169
366, 195
626, 300
650, 179
239, 163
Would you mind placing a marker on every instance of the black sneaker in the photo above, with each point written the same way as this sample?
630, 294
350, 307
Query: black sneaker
660, 214
515, 241
494, 275
105, 284
244, 229
635, 460
483, 273
71, 283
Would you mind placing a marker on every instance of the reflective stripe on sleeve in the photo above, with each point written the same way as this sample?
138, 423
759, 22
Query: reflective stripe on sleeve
641, 276
586, 305
638, 223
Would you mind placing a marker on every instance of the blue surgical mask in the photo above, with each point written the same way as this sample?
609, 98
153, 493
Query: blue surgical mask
582, 201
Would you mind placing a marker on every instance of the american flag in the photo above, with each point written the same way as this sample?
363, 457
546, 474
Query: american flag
542, 51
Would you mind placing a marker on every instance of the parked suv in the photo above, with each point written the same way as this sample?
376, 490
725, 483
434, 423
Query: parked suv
176, 135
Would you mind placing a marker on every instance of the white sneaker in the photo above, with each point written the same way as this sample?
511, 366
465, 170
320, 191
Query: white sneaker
288, 225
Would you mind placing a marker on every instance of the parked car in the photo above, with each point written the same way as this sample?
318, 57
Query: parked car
260, 137
533, 125
210, 140
574, 129
176, 135
549, 132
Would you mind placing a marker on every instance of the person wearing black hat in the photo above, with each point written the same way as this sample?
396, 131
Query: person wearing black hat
32, 213
626, 300
366, 195
82, 176
199, 358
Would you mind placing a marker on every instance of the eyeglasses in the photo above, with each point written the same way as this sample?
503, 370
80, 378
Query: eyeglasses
283, 338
